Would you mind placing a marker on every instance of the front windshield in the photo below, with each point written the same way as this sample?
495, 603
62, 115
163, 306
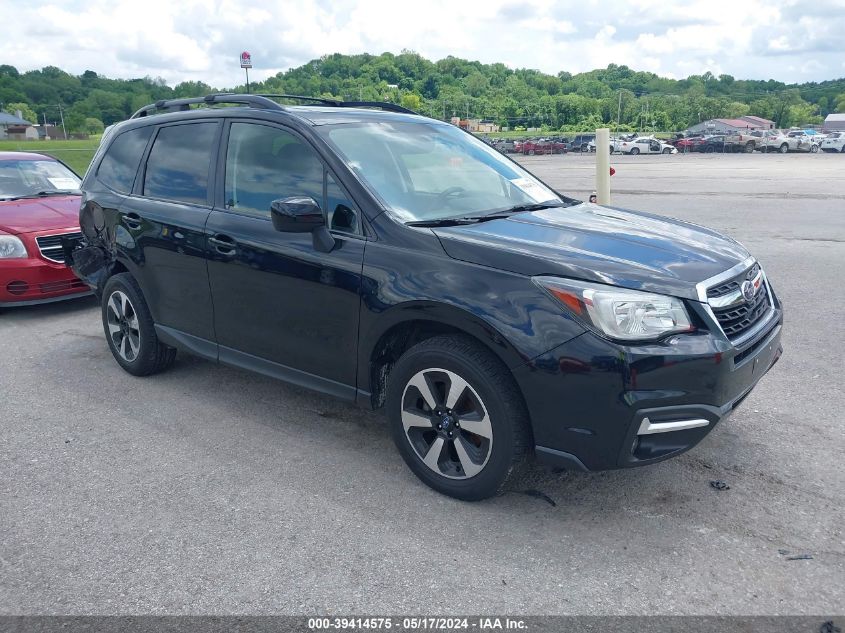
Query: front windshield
23, 178
427, 170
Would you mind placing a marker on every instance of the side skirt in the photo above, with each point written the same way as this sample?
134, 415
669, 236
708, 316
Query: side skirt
232, 357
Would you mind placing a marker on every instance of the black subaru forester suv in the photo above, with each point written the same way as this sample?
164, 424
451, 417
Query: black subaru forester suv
398, 262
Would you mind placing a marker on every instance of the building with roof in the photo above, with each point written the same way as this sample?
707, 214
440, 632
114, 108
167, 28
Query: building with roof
12, 126
760, 122
731, 126
834, 122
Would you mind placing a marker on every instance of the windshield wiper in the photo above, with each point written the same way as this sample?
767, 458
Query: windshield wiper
470, 219
498, 214
519, 208
42, 194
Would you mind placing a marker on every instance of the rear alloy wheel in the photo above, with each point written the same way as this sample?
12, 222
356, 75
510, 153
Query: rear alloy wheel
122, 326
783, 149
635, 151
457, 417
814, 149
130, 330
749, 147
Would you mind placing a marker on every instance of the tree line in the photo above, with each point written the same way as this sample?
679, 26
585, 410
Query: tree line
616, 96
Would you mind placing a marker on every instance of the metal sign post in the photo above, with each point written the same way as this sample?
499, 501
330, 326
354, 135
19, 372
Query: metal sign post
246, 64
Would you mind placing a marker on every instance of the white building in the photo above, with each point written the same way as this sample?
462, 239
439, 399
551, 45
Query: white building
835, 122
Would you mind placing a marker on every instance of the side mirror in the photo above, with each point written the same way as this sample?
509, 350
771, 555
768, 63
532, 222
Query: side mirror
296, 215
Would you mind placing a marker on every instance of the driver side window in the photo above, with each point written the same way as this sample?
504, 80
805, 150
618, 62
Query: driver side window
265, 163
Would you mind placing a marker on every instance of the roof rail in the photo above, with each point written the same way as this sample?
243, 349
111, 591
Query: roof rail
384, 105
176, 105
262, 101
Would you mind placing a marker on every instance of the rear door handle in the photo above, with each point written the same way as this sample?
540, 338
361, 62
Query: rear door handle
223, 244
132, 220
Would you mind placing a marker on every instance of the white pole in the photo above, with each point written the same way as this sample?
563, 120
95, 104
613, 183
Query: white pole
603, 165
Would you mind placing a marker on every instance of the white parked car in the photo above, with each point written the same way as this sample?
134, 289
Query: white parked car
644, 145
782, 142
834, 142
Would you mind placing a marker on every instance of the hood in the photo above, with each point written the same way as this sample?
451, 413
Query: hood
601, 244
39, 214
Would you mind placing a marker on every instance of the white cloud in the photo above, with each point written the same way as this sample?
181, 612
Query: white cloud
201, 39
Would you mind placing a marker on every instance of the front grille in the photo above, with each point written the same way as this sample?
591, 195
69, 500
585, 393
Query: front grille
51, 246
738, 318
733, 284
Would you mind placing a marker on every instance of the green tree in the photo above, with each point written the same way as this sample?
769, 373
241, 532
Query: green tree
411, 101
93, 126
27, 113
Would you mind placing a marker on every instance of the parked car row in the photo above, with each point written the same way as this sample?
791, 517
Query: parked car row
780, 141
546, 145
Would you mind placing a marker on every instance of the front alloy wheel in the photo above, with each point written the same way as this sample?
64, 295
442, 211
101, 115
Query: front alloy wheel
123, 327
446, 423
448, 398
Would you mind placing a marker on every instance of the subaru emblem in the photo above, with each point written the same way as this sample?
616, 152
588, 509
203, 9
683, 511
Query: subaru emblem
748, 290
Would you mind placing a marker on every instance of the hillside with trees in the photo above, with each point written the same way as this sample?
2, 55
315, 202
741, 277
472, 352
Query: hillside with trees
450, 87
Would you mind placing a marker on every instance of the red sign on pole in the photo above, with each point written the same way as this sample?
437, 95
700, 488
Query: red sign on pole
246, 60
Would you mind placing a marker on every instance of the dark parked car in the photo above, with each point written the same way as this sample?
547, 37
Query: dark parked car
721, 143
400, 263
581, 143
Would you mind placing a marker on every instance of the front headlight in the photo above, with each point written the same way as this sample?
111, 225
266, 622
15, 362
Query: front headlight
11, 246
619, 313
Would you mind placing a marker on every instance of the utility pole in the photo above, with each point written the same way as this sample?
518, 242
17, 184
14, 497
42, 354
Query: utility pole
62, 115
618, 113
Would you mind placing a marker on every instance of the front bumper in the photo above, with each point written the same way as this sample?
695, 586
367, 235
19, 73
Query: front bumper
597, 405
35, 279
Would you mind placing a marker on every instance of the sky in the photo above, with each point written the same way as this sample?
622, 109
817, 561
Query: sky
201, 40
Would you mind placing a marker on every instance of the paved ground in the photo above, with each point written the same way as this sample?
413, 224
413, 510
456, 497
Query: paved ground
210, 490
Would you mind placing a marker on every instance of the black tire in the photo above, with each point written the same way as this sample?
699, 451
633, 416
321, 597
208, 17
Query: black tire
635, 151
709, 149
749, 147
784, 148
152, 356
490, 385
842, 150
667, 150
814, 149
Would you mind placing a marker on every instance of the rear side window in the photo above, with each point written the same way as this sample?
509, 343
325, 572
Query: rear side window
179, 161
120, 164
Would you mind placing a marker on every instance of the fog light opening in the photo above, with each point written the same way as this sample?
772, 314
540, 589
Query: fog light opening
17, 287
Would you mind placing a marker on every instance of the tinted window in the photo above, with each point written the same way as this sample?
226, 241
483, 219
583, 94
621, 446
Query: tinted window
120, 164
264, 164
178, 166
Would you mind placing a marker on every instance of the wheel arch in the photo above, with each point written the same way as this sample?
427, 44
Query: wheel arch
406, 325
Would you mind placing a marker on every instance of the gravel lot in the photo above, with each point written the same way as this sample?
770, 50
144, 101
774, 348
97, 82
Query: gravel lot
211, 490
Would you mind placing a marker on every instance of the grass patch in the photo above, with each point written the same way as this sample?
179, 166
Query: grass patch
76, 154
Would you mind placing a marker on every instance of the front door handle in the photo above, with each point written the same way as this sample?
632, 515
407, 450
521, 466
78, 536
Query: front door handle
223, 244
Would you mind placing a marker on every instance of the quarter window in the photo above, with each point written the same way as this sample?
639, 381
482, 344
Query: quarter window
179, 161
120, 164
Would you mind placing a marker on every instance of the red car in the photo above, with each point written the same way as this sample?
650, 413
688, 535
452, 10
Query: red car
39, 203
689, 144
